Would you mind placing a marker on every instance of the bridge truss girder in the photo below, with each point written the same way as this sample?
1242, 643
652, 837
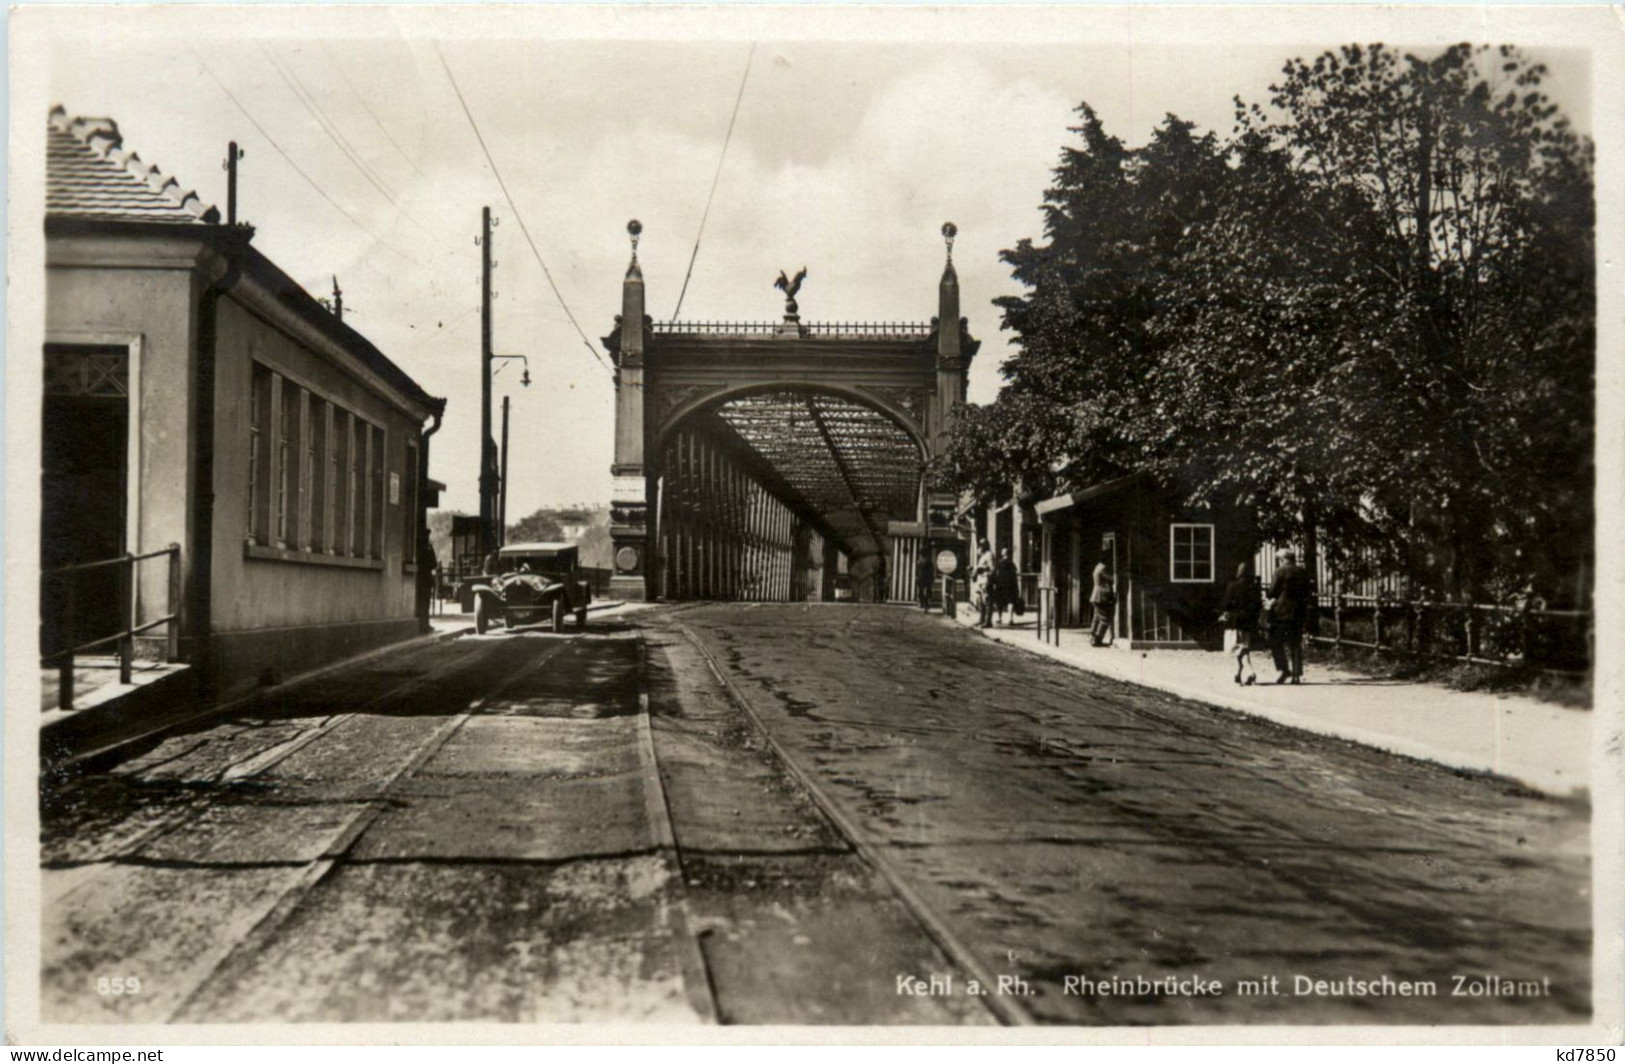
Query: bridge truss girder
728, 527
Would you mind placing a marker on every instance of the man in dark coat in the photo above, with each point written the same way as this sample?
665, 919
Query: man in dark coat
427, 577
1006, 585
924, 570
1288, 609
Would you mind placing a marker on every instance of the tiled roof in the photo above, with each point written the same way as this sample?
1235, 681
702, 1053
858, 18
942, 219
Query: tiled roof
89, 174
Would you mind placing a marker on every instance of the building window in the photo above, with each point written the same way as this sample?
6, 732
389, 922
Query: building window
1191, 554
375, 459
357, 499
307, 467
258, 401
342, 435
287, 469
315, 476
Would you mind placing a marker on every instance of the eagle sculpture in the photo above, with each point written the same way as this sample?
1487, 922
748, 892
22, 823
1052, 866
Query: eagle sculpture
790, 288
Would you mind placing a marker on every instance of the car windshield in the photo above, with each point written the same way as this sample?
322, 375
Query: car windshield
540, 566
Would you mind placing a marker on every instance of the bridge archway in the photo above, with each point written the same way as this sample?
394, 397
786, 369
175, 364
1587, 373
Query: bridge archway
763, 460
769, 492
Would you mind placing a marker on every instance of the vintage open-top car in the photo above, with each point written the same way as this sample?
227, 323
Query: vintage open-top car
532, 581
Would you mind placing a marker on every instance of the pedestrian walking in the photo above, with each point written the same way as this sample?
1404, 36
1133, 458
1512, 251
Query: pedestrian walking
1288, 607
981, 589
1240, 622
1103, 602
923, 572
1006, 586
428, 577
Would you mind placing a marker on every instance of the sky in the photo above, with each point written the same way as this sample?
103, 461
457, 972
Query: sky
854, 141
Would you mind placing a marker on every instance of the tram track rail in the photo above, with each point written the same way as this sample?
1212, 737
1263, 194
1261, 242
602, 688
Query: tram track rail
697, 978
252, 764
254, 939
111, 752
244, 952
933, 923
241, 769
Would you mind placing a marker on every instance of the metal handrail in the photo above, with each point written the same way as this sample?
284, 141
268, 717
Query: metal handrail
1047, 623
127, 604
123, 559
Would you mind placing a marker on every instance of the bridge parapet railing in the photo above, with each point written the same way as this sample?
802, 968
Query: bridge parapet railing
869, 330
829, 330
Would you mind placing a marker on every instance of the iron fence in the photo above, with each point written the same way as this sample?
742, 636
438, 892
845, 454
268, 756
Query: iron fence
60, 589
1560, 641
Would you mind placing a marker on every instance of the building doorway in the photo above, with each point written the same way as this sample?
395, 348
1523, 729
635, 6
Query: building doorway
84, 483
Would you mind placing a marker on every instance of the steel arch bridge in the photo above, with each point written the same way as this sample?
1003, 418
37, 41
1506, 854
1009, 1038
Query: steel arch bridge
761, 460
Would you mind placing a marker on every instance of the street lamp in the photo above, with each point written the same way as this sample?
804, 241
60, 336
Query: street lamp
524, 378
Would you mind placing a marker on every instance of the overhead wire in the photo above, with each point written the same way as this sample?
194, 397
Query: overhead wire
523, 228
370, 113
715, 178
296, 167
291, 78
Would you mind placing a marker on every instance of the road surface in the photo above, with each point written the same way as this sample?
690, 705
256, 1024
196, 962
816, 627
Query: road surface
747, 813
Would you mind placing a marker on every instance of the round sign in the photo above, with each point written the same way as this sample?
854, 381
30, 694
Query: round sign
947, 562
626, 559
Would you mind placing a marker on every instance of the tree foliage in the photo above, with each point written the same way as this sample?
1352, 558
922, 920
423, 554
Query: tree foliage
1373, 304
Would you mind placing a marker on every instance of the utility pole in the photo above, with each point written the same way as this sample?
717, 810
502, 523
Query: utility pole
488, 473
502, 499
338, 299
232, 155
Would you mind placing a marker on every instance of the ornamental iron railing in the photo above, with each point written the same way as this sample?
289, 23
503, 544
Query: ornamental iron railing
826, 330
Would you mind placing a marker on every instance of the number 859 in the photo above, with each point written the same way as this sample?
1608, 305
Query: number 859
118, 985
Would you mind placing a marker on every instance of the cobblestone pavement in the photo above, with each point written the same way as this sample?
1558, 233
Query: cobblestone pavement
476, 831
459, 833
859, 811
1070, 826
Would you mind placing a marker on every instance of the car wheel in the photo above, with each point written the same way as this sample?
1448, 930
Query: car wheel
558, 615
482, 619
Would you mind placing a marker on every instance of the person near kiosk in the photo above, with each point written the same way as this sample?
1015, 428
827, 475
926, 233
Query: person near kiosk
982, 585
1102, 602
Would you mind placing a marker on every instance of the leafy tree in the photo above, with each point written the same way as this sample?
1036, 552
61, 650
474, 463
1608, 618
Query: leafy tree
543, 526
1069, 410
1372, 308
1474, 255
